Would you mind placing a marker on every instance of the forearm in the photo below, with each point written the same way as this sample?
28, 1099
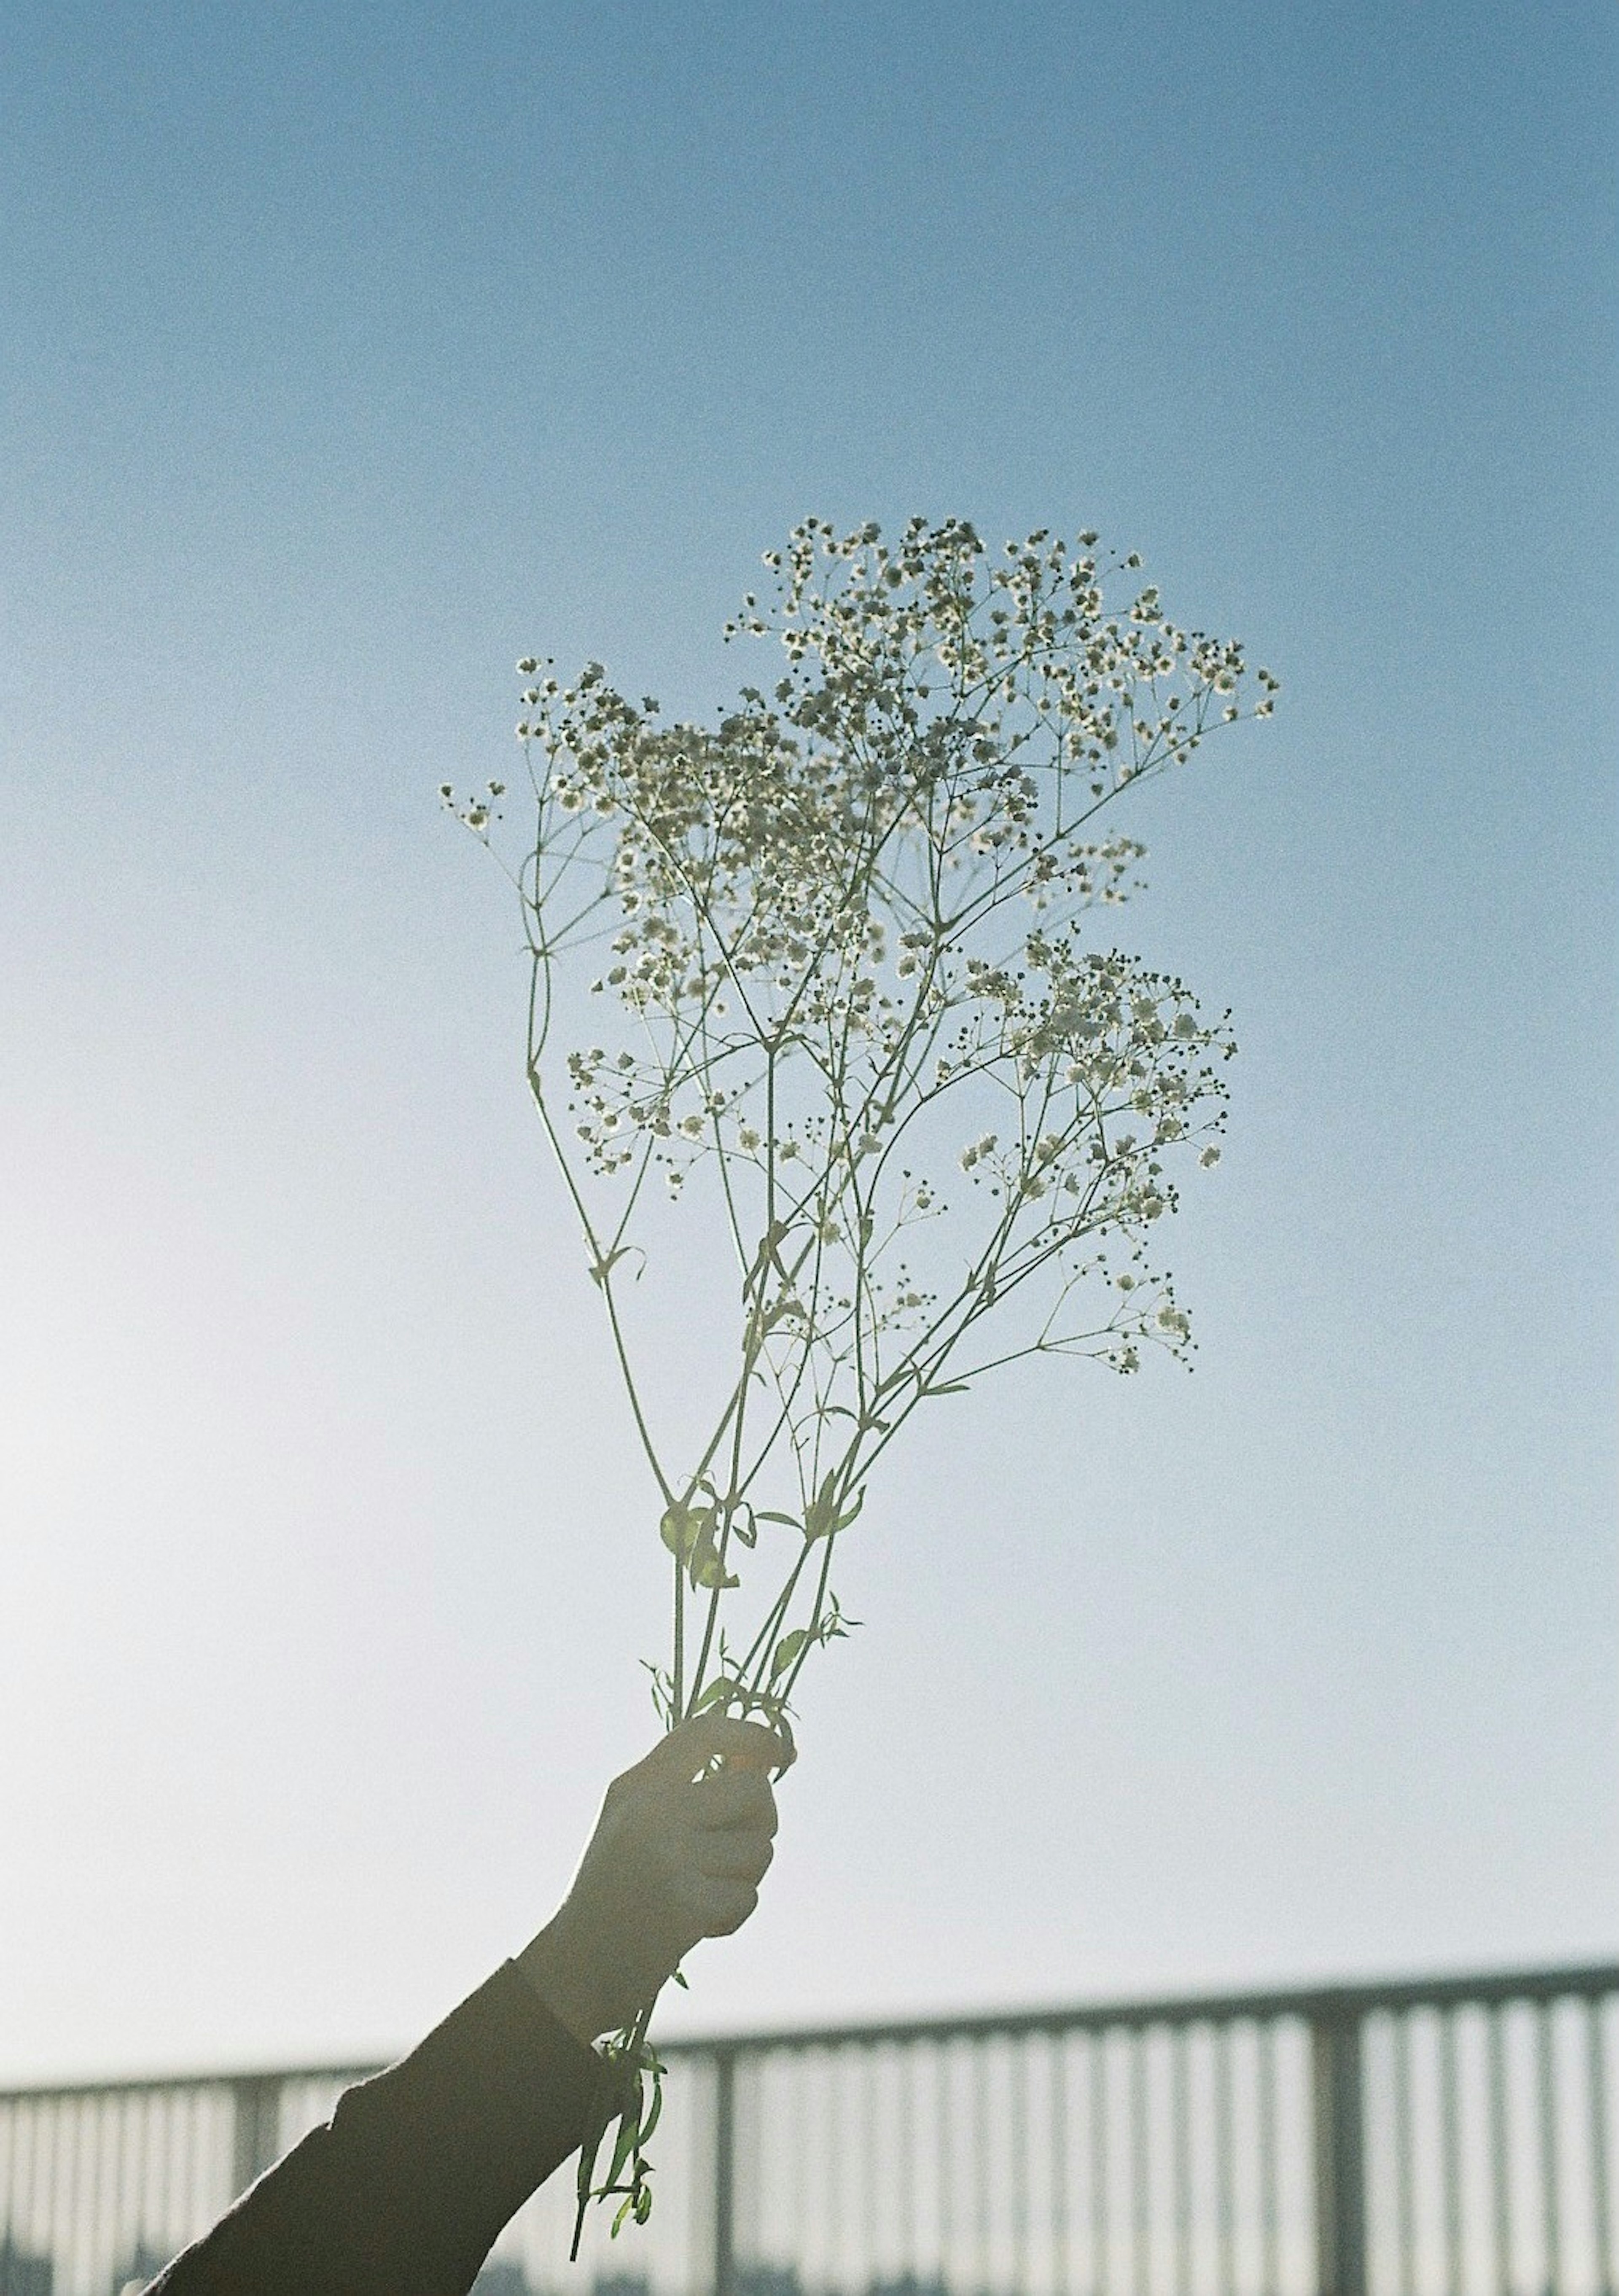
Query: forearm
405, 2190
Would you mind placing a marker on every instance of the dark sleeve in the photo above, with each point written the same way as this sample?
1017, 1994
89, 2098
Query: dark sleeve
405, 2190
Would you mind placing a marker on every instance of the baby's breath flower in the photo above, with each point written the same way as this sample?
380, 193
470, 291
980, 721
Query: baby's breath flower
872, 883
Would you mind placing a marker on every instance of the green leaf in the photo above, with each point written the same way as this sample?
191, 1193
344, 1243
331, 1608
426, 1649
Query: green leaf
768, 1515
688, 1533
720, 1691
707, 1570
822, 1519
786, 1651
849, 1514
680, 1528
629, 2133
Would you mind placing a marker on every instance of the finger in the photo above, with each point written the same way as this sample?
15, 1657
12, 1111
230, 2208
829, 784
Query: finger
733, 1798
733, 1857
744, 1746
720, 1906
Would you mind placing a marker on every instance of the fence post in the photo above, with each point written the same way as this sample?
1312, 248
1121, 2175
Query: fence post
724, 2172
256, 2138
1340, 2149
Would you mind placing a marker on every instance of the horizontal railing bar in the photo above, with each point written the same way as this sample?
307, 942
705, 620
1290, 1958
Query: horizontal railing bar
1314, 2004
152, 2084
1310, 2003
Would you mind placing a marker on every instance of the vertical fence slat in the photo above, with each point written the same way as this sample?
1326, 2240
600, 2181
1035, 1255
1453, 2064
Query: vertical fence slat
1500, 2157
1225, 2196
1449, 2154
1602, 2226
724, 2172
1340, 2174
1270, 2204
1140, 2180
866, 2145
946, 2200
1181, 2161
1550, 2213
1406, 2198
909, 2257
1060, 2182
980, 2149
1101, 2230
1018, 2136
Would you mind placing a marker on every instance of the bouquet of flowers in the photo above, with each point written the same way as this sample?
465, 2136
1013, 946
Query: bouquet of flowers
856, 1011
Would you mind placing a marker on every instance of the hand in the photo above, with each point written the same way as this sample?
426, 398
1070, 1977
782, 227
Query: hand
678, 1854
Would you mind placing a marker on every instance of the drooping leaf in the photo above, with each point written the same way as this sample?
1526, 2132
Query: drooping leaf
707, 1569
629, 2135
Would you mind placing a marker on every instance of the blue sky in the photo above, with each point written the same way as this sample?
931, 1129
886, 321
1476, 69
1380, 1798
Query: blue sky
351, 352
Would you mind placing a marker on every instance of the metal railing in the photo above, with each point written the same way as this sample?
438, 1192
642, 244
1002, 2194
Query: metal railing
1448, 2137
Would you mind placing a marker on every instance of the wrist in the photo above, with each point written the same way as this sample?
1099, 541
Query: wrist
563, 1973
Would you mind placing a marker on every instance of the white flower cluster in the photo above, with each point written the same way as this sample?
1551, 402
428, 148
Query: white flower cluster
810, 925
807, 916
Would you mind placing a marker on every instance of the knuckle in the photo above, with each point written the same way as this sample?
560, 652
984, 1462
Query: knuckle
738, 1904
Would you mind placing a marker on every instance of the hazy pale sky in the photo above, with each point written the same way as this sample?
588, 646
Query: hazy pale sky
351, 352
